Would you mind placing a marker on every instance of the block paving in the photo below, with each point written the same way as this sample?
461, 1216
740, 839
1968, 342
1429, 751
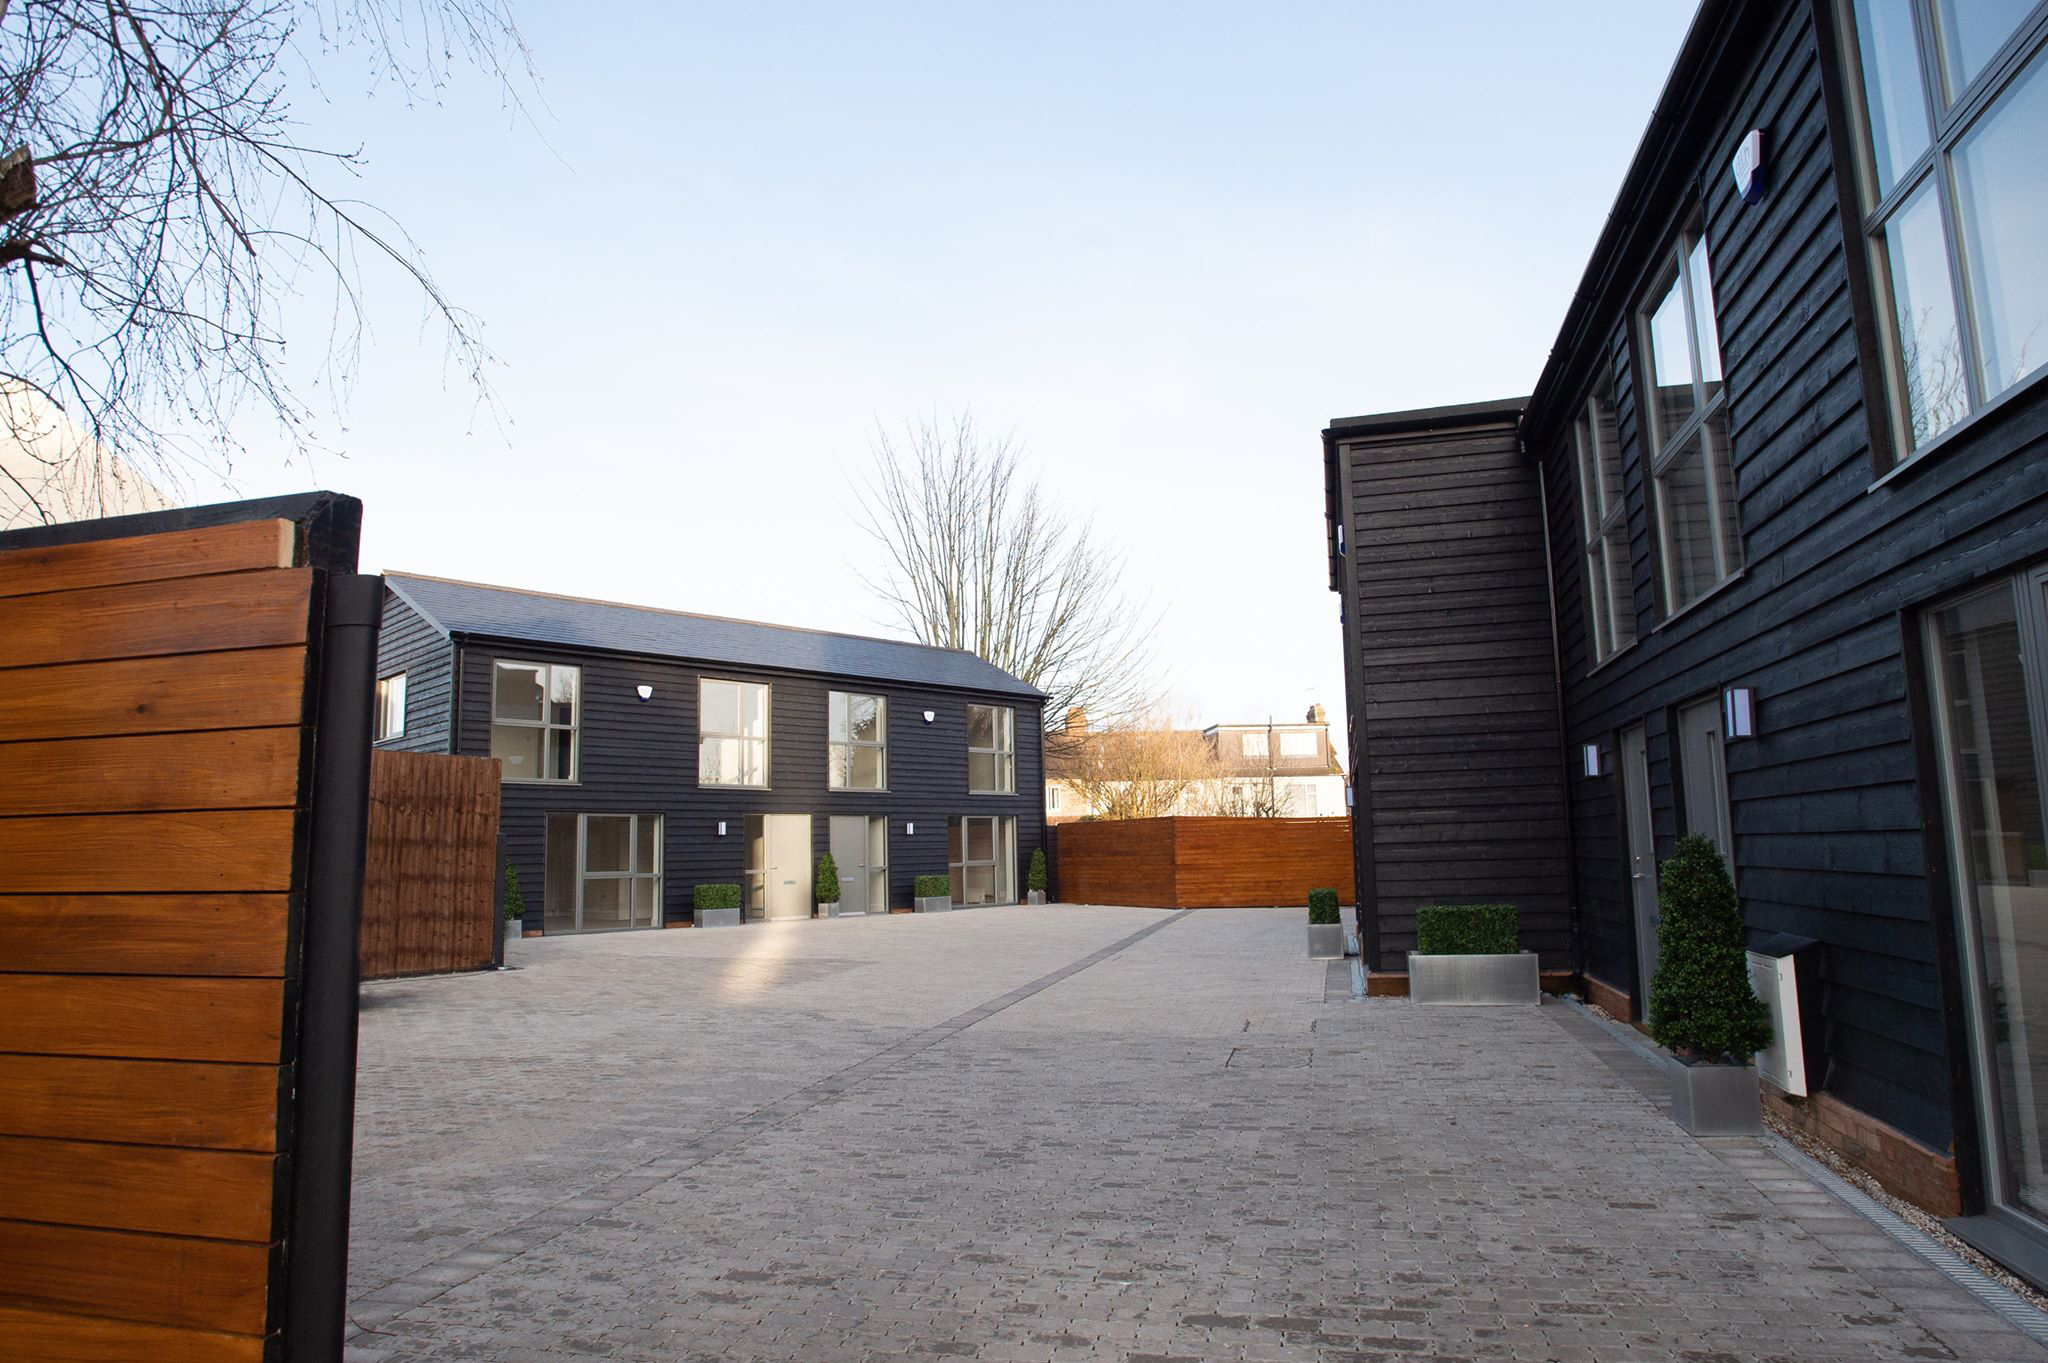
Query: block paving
1066, 1133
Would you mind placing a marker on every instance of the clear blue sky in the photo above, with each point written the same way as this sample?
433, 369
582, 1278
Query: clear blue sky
1164, 243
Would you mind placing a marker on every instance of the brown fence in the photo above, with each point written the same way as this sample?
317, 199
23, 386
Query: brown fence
1195, 863
176, 1022
430, 884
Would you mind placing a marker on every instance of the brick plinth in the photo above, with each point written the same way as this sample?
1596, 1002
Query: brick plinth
1901, 1165
1618, 1004
1393, 984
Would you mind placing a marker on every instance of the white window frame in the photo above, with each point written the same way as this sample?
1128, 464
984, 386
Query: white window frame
391, 706
1004, 752
835, 746
1609, 570
550, 729
1664, 446
766, 739
1254, 745
2026, 45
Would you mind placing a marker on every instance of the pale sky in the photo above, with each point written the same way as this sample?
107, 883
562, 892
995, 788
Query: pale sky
1162, 243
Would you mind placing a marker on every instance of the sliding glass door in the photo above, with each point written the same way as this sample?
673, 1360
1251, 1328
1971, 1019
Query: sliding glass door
603, 872
982, 856
1987, 656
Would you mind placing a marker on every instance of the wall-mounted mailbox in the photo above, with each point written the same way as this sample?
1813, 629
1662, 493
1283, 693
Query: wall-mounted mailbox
1785, 972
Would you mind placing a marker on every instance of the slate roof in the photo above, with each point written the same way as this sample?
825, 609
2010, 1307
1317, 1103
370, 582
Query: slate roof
537, 617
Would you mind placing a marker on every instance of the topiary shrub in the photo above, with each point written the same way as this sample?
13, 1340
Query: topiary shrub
515, 902
828, 880
1701, 1005
935, 887
1034, 879
717, 896
1468, 930
1322, 907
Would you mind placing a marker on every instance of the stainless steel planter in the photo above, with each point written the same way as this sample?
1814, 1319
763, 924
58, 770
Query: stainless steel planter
1474, 979
1715, 1100
932, 904
829, 909
720, 918
1325, 941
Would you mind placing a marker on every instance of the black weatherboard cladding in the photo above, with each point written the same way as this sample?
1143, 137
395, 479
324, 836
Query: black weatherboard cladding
411, 644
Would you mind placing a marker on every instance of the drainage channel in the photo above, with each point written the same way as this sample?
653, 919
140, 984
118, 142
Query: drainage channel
2009, 1305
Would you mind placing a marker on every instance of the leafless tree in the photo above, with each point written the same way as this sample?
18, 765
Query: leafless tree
1143, 770
159, 202
976, 556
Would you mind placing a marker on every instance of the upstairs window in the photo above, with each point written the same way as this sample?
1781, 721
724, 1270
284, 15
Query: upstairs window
1255, 745
1678, 348
732, 733
533, 719
1951, 112
1603, 520
992, 749
858, 727
1298, 745
391, 707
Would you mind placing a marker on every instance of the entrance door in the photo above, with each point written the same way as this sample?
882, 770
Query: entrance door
1642, 855
850, 855
1987, 659
1703, 767
788, 869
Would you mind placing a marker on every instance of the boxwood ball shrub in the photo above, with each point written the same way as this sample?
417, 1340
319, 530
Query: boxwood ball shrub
1322, 907
828, 880
1034, 879
1468, 930
717, 896
1701, 1005
935, 887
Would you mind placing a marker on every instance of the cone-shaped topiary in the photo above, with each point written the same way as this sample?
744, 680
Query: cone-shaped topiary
828, 880
1034, 879
1701, 1005
515, 902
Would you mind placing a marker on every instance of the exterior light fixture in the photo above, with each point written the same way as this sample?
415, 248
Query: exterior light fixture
1748, 167
644, 691
1738, 712
721, 828
1591, 755
930, 715
909, 830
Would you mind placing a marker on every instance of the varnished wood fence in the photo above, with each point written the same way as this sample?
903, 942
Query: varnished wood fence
1201, 863
430, 886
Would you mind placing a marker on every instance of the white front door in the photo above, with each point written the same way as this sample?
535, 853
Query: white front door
788, 869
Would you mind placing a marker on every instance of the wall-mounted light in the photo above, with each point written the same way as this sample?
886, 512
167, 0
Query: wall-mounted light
644, 691
1590, 757
910, 830
1738, 712
930, 715
721, 828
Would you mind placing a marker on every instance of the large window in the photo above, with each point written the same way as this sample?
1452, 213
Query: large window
1603, 519
858, 725
1255, 745
391, 707
1952, 112
1685, 404
604, 872
982, 856
534, 711
1299, 745
732, 733
992, 749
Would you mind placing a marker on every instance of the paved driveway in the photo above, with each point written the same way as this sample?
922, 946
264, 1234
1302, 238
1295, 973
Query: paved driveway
1041, 1134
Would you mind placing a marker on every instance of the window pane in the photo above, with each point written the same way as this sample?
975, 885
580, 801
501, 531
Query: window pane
718, 761
1621, 596
561, 754
1972, 31
520, 750
1684, 527
1891, 87
953, 842
605, 904
754, 762
1721, 469
1924, 317
981, 771
981, 844
864, 715
604, 842
1596, 604
1006, 773
646, 903
718, 708
559, 903
2002, 200
518, 694
1592, 490
1705, 328
878, 843
647, 843
1297, 745
1670, 362
981, 726
867, 768
958, 887
980, 885
1006, 736
1255, 745
754, 710
562, 683
839, 766
835, 717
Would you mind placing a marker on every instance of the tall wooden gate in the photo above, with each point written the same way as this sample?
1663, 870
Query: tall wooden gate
430, 889
184, 741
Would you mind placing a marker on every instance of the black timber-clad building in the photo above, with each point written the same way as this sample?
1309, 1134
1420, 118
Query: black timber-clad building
1789, 464
647, 751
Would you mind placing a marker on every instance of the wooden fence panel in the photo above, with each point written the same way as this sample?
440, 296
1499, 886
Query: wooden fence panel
430, 884
160, 804
1202, 863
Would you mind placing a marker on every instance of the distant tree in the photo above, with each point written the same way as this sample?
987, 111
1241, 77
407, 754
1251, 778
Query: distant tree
1143, 770
976, 556
158, 203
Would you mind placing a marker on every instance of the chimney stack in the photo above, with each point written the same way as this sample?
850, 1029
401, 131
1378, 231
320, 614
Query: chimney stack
1315, 715
1077, 720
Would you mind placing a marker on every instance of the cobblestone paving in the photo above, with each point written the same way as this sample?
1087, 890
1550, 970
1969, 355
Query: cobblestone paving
1047, 1134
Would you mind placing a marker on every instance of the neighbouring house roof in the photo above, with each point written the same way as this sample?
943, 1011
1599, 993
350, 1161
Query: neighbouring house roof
51, 470
1065, 753
471, 608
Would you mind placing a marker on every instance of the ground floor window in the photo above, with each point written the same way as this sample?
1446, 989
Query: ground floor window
603, 872
1987, 663
982, 855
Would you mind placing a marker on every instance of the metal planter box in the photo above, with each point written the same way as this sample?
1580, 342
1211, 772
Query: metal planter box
932, 904
720, 918
829, 909
1325, 941
1474, 979
1715, 1100
1035, 898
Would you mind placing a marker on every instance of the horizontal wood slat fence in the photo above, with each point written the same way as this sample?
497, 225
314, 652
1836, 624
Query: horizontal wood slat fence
1201, 863
430, 884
